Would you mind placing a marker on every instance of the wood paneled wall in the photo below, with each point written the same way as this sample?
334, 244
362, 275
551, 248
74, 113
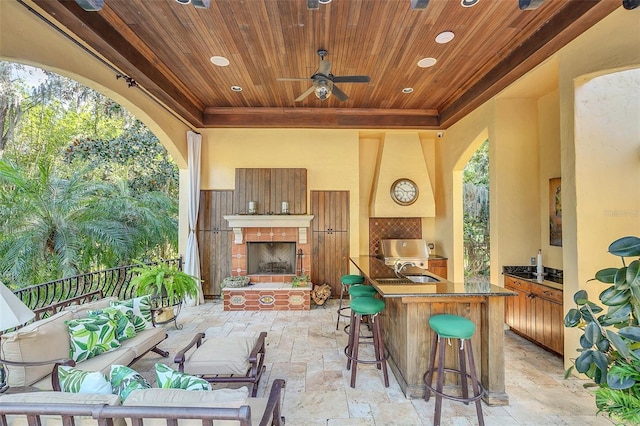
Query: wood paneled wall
269, 188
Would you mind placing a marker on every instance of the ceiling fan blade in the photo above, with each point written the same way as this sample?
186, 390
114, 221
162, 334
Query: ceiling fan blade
305, 94
293, 79
351, 79
339, 94
325, 67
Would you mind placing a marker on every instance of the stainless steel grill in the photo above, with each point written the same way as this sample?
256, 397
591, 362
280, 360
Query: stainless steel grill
405, 250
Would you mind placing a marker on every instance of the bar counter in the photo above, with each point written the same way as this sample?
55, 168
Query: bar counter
408, 338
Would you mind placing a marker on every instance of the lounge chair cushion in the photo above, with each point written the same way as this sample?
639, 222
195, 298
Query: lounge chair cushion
228, 355
145, 340
59, 398
82, 311
220, 398
33, 343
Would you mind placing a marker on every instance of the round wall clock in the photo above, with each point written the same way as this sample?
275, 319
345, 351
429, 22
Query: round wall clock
404, 191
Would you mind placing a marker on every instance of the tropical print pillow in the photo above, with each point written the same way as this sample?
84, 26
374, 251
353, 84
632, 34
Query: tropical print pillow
138, 309
124, 327
125, 380
78, 381
91, 337
168, 378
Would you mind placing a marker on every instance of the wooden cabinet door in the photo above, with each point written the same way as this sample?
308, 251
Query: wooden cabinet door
214, 240
329, 238
517, 312
548, 317
438, 267
330, 210
330, 259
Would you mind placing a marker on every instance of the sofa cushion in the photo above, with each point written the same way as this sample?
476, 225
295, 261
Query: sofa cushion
81, 311
32, 343
59, 398
145, 340
219, 398
138, 310
124, 380
79, 381
124, 327
91, 336
100, 363
169, 378
221, 356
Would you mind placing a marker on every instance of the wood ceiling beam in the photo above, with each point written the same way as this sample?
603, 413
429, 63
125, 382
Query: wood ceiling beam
575, 18
322, 118
119, 51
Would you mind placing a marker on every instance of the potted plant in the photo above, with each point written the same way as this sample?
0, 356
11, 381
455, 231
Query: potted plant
610, 343
167, 285
300, 281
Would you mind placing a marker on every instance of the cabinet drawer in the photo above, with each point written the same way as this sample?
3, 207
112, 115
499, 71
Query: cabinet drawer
547, 293
516, 284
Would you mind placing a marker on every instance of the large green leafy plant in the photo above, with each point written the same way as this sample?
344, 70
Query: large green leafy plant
610, 343
165, 283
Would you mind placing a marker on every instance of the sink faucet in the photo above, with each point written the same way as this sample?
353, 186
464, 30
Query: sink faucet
400, 265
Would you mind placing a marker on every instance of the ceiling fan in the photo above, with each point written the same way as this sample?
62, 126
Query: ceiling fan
323, 81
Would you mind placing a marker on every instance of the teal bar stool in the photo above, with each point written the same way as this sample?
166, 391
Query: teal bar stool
360, 290
370, 307
447, 326
345, 282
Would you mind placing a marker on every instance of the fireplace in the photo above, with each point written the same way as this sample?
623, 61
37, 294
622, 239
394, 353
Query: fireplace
271, 258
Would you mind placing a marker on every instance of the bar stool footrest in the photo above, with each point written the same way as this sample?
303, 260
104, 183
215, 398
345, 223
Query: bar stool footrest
466, 401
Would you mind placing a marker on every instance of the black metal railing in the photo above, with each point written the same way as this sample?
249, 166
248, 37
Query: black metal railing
112, 282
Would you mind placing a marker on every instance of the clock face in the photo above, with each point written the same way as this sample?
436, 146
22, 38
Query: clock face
404, 191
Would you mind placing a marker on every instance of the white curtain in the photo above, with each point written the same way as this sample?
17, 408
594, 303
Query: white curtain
192, 256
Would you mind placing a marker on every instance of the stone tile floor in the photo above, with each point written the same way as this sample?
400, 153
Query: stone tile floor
304, 348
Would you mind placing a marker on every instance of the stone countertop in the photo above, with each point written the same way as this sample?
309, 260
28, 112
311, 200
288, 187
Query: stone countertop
374, 269
552, 278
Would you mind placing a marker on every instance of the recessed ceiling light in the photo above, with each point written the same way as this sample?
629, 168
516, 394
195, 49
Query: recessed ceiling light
324, 1
183, 1
445, 37
407, 90
236, 88
427, 62
469, 3
220, 61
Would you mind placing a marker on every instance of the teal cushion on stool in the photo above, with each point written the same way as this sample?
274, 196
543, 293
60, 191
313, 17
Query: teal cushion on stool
452, 326
362, 291
351, 279
366, 305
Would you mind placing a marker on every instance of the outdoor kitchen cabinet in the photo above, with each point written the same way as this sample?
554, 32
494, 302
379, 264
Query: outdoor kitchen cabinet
536, 313
214, 239
329, 238
438, 267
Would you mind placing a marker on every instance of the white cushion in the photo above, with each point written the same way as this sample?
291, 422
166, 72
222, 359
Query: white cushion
220, 398
59, 398
81, 311
220, 355
144, 340
34, 343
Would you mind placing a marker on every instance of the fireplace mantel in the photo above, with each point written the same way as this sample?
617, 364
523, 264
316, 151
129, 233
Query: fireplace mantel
237, 222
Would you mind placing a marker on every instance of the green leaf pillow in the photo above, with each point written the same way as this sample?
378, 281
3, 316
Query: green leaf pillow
125, 380
138, 309
168, 378
90, 337
124, 327
79, 381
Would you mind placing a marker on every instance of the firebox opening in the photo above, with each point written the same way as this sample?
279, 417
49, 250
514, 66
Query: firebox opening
271, 258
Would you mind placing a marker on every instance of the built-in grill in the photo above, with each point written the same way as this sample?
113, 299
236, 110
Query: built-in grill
405, 250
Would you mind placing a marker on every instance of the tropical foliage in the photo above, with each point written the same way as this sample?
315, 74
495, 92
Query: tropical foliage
476, 214
83, 184
610, 343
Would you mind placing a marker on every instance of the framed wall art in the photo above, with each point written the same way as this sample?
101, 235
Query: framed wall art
555, 212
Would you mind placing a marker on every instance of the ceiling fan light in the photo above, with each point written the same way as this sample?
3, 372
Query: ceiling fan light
322, 88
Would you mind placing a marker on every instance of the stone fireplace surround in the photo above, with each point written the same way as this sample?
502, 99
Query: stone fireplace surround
268, 292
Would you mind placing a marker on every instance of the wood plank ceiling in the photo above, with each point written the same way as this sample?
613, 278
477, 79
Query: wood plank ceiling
166, 48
